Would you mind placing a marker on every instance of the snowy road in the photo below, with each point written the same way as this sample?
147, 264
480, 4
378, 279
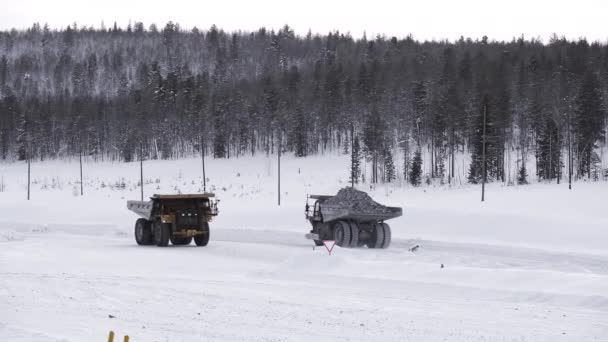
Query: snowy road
58, 285
529, 264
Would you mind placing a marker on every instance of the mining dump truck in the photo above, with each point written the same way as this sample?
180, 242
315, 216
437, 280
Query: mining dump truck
175, 218
351, 218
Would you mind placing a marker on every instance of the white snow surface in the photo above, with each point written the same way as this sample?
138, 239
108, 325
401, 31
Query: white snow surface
529, 264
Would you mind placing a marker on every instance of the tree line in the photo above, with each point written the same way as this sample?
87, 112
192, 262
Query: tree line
160, 93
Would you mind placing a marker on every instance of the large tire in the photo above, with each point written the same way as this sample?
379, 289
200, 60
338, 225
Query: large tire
381, 238
143, 232
203, 239
387, 235
342, 234
377, 236
180, 240
162, 232
354, 232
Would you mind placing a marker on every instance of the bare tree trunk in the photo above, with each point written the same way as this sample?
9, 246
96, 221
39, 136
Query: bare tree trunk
433, 154
81, 186
452, 154
549, 172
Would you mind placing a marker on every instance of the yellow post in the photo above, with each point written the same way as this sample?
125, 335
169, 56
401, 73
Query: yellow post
127, 338
111, 337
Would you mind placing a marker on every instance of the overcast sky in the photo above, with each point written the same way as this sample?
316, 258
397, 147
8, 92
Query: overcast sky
425, 19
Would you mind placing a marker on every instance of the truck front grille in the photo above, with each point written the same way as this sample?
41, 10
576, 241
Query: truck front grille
187, 219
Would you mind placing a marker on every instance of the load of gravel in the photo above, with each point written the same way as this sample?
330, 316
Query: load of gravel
358, 201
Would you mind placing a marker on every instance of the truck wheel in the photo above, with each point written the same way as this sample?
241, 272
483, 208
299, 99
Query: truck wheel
178, 240
354, 231
162, 232
381, 237
203, 239
318, 242
143, 232
342, 234
387, 235
377, 236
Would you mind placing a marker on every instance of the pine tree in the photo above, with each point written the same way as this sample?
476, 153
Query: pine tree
548, 151
10, 116
420, 111
522, 175
389, 166
406, 157
241, 89
220, 104
416, 169
588, 122
373, 137
493, 148
22, 137
355, 162
68, 37
92, 70
596, 166
440, 166
300, 139
3, 71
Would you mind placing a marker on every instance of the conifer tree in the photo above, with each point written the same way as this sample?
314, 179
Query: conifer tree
588, 122
355, 162
548, 152
406, 157
3, 70
374, 139
420, 111
389, 166
22, 137
493, 153
416, 169
220, 103
522, 175
243, 88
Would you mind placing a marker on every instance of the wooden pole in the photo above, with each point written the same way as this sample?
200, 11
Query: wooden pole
483, 155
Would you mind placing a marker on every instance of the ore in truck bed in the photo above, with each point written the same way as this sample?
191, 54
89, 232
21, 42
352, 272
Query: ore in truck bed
357, 201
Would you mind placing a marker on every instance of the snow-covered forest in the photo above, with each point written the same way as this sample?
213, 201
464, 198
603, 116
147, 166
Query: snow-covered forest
163, 92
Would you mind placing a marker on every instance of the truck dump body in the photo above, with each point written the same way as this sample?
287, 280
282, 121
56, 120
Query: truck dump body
339, 212
352, 204
141, 208
144, 208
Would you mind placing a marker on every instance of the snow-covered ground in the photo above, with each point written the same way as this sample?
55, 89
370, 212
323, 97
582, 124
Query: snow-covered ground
529, 264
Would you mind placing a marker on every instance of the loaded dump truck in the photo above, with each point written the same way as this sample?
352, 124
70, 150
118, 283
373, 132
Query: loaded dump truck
351, 218
175, 218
